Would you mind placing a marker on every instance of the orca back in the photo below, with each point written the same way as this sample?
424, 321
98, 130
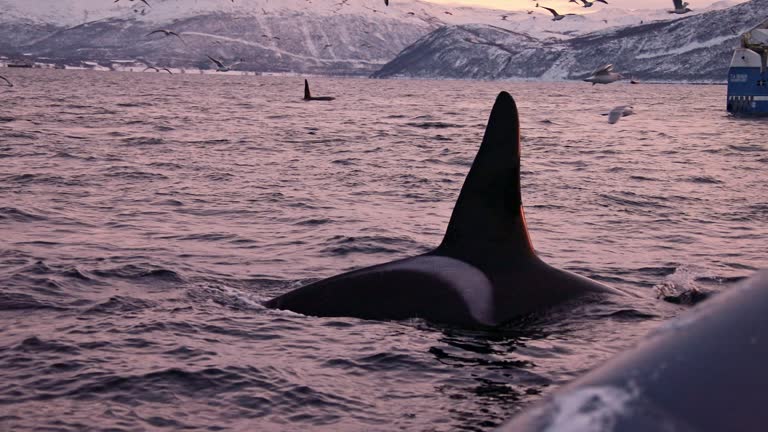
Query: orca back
485, 271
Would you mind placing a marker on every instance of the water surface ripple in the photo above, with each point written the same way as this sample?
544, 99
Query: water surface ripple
144, 217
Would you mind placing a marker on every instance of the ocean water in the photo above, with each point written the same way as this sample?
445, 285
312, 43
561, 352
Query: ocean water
145, 217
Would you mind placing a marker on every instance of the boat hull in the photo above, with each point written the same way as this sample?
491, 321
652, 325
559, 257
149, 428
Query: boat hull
747, 85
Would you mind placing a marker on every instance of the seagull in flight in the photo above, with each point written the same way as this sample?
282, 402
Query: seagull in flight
10, 84
142, 1
619, 112
221, 67
604, 75
556, 16
157, 69
167, 33
680, 7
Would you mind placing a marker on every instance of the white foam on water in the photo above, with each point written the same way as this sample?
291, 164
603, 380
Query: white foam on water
590, 409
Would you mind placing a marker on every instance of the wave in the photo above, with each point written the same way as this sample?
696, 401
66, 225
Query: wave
120, 304
630, 199
36, 345
748, 148
631, 315
313, 222
343, 245
163, 385
704, 180
21, 135
18, 215
434, 125
138, 141
136, 175
11, 301
140, 272
28, 179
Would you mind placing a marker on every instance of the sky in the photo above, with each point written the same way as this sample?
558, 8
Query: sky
626, 4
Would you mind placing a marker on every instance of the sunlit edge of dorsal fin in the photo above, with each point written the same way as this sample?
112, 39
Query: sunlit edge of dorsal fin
489, 213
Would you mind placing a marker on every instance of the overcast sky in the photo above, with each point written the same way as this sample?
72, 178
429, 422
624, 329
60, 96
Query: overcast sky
626, 4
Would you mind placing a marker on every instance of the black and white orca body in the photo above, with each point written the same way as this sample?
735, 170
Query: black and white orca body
485, 271
308, 96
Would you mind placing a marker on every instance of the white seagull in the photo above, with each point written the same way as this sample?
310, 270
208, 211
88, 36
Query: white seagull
604, 75
221, 67
619, 112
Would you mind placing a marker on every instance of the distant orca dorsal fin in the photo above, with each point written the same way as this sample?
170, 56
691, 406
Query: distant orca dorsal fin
488, 216
307, 95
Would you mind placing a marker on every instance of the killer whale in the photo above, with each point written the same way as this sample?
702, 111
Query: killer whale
485, 271
308, 96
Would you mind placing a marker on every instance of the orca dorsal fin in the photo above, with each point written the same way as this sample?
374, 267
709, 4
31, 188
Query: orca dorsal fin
488, 217
306, 90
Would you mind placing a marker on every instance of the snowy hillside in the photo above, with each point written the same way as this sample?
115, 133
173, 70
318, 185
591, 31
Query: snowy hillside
302, 36
696, 47
328, 37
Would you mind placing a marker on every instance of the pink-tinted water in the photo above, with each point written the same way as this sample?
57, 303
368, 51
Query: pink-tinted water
144, 217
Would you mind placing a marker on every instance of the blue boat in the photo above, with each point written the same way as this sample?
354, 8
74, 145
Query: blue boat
747, 76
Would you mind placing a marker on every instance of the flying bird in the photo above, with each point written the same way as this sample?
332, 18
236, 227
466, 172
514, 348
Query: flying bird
556, 16
157, 69
167, 33
10, 84
142, 1
604, 75
619, 112
221, 67
588, 3
680, 7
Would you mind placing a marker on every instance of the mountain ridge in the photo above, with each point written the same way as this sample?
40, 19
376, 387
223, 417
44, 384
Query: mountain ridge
328, 38
691, 48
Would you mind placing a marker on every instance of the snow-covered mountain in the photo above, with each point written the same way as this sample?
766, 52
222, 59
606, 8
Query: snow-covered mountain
695, 47
303, 36
306, 36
